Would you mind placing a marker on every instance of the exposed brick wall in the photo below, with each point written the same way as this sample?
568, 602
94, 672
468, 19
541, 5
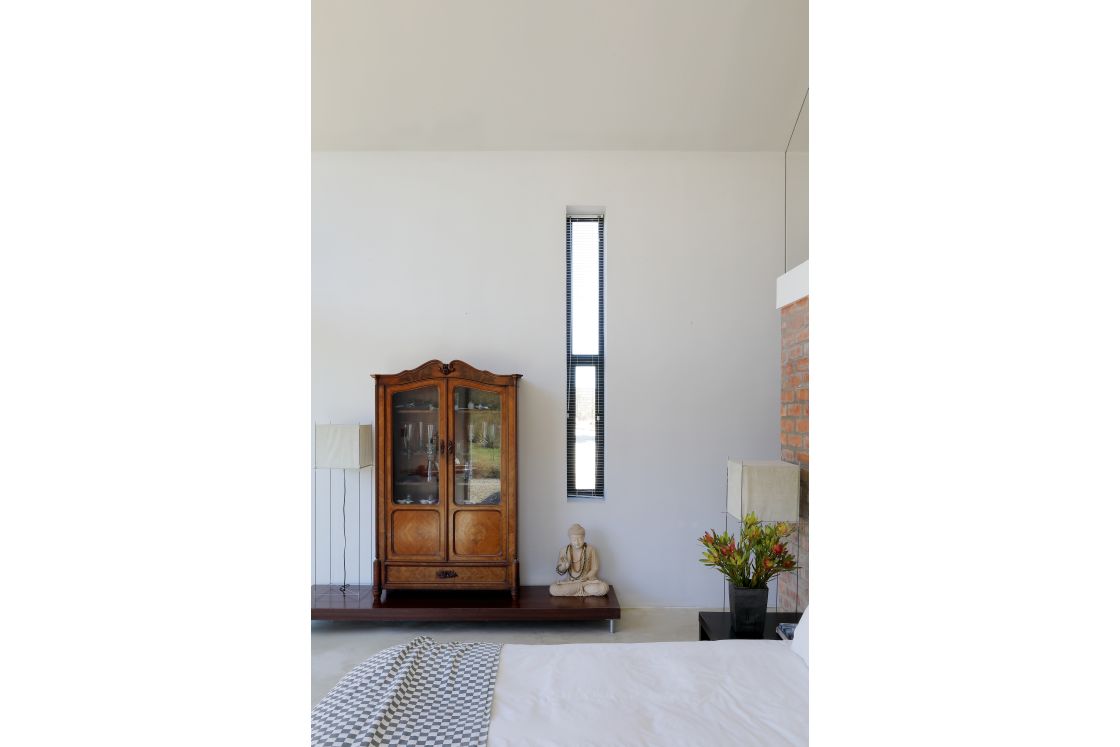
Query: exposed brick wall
793, 591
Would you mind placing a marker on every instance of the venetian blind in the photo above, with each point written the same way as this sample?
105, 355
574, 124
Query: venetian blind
585, 355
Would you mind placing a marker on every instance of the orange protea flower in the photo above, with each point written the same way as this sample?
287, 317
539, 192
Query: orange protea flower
753, 558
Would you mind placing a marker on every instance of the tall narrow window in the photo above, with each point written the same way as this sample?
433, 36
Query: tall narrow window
585, 356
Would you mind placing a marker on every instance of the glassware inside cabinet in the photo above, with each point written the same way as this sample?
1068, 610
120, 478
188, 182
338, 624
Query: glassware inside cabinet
416, 446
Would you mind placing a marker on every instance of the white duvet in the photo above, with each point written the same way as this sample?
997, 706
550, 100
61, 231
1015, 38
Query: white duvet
702, 693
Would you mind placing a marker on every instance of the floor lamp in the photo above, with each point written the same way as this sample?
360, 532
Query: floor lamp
344, 447
770, 489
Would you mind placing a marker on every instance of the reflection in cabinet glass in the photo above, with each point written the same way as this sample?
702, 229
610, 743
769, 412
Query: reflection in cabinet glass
447, 479
478, 447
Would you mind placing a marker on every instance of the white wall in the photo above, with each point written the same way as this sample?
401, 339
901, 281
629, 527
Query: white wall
797, 209
420, 255
797, 190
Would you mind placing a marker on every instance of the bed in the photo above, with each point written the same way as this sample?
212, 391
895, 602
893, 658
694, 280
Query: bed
711, 693
696, 693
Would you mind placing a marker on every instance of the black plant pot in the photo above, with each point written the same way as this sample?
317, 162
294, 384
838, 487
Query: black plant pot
748, 611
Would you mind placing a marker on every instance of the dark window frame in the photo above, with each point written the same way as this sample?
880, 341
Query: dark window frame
598, 361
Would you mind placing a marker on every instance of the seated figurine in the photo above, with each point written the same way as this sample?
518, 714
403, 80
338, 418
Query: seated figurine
580, 562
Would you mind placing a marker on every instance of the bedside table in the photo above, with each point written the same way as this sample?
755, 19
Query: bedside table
716, 626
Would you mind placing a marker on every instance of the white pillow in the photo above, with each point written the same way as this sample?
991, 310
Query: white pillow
800, 644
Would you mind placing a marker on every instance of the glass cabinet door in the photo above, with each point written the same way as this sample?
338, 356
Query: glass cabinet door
416, 442
477, 436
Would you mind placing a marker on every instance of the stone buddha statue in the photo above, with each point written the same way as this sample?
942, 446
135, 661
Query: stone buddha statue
580, 563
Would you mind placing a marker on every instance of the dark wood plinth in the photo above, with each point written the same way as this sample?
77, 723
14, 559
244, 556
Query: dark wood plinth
533, 604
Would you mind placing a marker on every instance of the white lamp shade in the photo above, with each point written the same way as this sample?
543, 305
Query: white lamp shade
772, 490
343, 446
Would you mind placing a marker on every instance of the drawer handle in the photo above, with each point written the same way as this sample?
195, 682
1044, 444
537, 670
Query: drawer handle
446, 574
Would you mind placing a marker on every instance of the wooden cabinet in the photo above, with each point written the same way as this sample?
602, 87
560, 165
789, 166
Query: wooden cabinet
446, 479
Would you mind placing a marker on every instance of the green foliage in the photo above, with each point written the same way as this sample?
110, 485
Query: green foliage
759, 555
487, 462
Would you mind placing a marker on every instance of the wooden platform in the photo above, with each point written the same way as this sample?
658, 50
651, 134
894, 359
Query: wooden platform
533, 604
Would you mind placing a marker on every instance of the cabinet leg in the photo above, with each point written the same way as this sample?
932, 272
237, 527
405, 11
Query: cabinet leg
516, 588
376, 578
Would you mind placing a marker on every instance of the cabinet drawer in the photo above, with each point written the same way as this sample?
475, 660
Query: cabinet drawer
445, 574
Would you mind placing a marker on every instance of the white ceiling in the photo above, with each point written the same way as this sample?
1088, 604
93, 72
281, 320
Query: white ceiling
572, 75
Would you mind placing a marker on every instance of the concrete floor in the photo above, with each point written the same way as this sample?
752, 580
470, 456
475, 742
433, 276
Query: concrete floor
337, 647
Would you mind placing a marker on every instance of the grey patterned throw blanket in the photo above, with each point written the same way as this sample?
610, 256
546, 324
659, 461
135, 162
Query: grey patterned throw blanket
419, 693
